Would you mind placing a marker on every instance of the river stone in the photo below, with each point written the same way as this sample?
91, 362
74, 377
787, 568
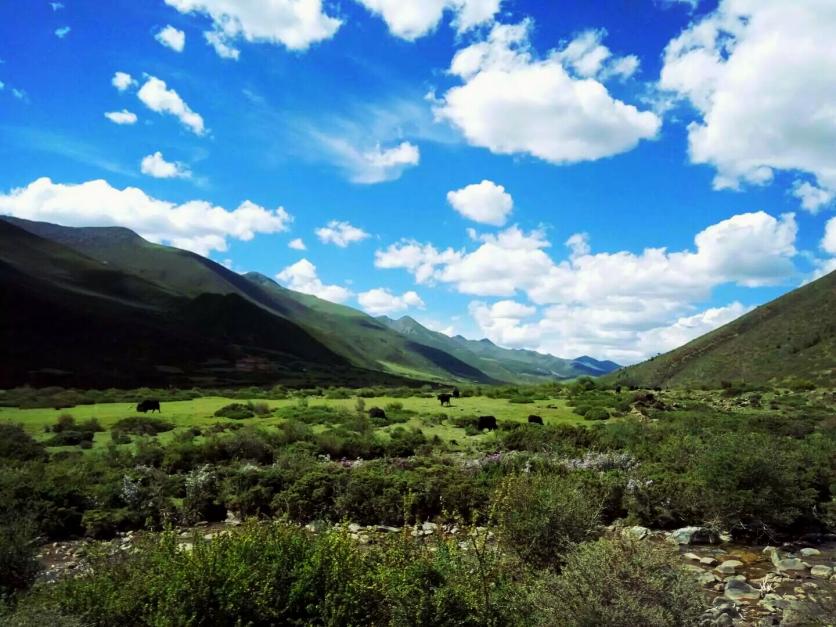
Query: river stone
808, 552
821, 571
789, 563
773, 602
729, 567
693, 535
706, 578
708, 561
737, 590
691, 556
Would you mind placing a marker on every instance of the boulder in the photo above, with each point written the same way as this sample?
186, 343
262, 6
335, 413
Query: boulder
738, 590
821, 571
785, 564
729, 567
808, 552
773, 602
708, 561
693, 535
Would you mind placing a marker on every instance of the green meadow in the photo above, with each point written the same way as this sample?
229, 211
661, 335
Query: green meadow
200, 412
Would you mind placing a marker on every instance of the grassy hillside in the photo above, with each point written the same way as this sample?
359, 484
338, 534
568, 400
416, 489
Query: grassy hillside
792, 337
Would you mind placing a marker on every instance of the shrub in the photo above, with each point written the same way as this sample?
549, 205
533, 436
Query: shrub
260, 409
16, 444
616, 582
235, 411
70, 438
142, 425
596, 413
18, 557
540, 517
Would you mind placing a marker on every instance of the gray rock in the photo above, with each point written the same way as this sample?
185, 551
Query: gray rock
729, 567
774, 602
708, 561
354, 528
693, 535
705, 578
737, 590
808, 552
821, 571
691, 556
789, 563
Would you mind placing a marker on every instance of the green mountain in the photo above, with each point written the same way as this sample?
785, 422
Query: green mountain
793, 336
500, 363
185, 296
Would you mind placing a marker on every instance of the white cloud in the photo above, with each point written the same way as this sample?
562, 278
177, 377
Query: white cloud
411, 19
20, 94
172, 38
812, 198
297, 244
302, 277
759, 74
514, 102
56, 6
121, 117
485, 202
589, 58
828, 242
375, 165
380, 301
296, 24
195, 225
157, 97
221, 46
122, 80
62, 32
340, 233
155, 165
601, 303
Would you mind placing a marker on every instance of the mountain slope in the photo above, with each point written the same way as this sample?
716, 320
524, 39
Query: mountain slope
71, 320
792, 336
500, 363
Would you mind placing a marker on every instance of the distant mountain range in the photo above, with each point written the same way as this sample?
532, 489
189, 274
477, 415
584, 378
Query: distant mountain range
100, 307
792, 337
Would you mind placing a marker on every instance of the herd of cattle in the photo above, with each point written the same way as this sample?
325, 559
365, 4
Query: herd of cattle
484, 422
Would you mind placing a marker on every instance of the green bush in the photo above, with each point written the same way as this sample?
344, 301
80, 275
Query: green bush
618, 582
596, 413
540, 517
16, 444
18, 557
235, 411
142, 425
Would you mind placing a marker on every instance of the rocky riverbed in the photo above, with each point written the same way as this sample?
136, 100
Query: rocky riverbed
746, 585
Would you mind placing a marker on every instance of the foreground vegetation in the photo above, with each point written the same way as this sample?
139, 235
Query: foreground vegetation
531, 501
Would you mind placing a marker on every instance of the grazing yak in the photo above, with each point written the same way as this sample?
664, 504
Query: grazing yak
456, 393
444, 399
376, 412
149, 405
486, 422
535, 420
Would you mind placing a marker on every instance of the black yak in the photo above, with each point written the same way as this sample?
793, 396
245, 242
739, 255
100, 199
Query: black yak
376, 412
149, 405
444, 399
456, 393
486, 422
535, 420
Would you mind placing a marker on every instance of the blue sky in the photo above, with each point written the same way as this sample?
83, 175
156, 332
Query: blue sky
435, 157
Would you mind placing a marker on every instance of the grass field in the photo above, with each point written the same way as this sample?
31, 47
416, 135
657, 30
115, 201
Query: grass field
199, 412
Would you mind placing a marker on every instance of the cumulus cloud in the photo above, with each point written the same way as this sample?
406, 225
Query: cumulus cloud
155, 165
812, 198
759, 75
380, 301
603, 303
62, 32
122, 81
302, 277
171, 37
297, 244
121, 117
485, 202
222, 48
513, 102
156, 95
340, 233
590, 58
195, 225
295, 24
411, 19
